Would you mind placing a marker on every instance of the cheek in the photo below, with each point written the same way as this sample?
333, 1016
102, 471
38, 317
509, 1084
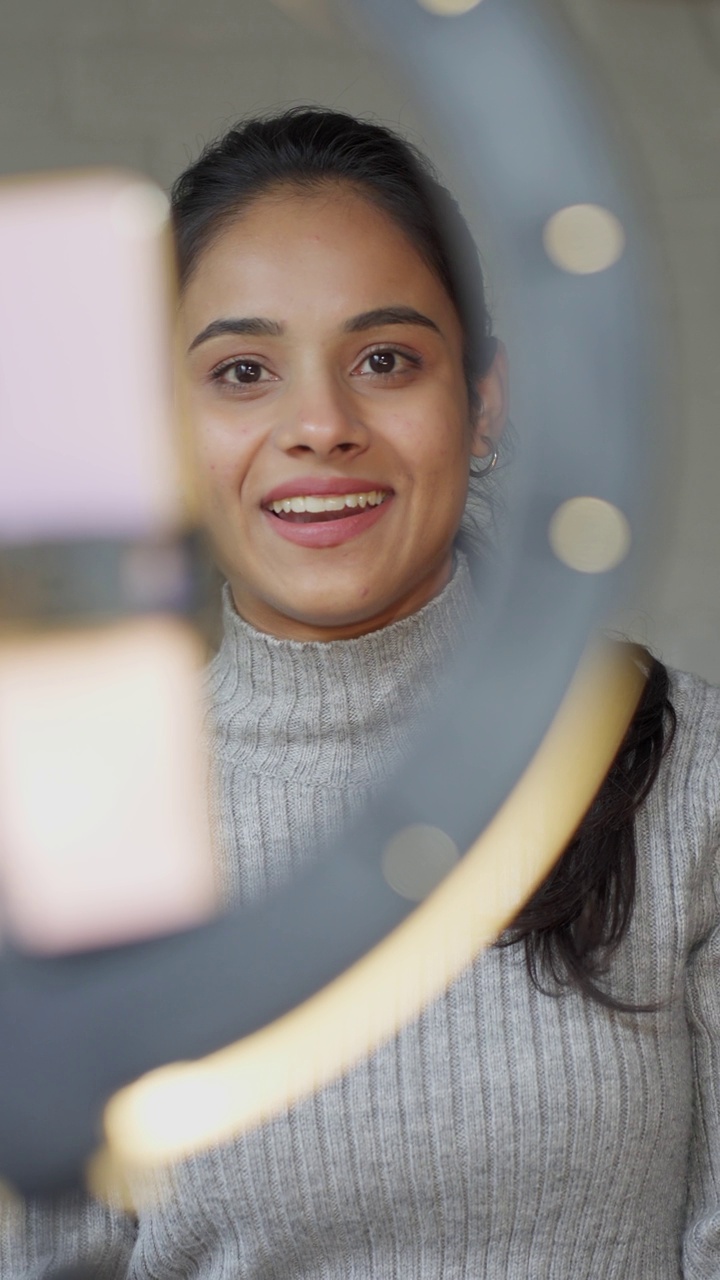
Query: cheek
417, 435
219, 482
433, 433
222, 452
441, 456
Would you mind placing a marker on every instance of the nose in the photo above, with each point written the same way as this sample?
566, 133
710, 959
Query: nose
321, 418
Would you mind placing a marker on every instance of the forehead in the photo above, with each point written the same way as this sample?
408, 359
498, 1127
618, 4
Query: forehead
331, 249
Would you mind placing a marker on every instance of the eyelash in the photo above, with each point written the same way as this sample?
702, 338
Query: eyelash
216, 374
415, 361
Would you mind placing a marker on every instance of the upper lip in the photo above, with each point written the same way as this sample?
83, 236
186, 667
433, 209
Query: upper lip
305, 486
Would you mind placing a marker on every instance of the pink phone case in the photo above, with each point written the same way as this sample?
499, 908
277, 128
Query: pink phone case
103, 826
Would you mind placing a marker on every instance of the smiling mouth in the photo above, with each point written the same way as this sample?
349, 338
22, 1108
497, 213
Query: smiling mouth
316, 509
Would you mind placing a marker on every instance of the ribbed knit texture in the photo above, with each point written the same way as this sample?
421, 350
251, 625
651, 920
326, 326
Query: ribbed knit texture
503, 1133
300, 733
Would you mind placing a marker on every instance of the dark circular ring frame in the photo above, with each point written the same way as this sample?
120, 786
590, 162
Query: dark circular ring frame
508, 93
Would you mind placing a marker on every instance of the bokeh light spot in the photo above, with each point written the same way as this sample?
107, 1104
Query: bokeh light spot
140, 210
448, 8
584, 239
590, 535
417, 859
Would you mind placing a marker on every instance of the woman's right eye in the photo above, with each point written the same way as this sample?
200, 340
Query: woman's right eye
240, 373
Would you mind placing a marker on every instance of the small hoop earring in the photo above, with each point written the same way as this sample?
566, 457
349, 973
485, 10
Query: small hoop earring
489, 466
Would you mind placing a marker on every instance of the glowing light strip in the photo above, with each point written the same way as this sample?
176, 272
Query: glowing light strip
180, 1109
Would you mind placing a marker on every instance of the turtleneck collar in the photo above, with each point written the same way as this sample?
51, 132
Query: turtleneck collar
330, 712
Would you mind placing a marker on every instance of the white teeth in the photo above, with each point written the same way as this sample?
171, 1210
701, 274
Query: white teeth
331, 502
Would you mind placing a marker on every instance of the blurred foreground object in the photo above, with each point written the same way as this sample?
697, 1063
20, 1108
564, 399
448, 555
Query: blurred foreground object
103, 834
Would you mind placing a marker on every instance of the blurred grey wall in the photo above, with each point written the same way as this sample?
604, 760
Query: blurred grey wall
146, 82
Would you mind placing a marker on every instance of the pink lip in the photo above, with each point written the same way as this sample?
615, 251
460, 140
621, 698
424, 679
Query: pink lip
318, 486
327, 533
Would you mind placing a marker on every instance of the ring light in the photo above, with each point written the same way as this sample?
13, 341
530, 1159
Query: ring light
516, 109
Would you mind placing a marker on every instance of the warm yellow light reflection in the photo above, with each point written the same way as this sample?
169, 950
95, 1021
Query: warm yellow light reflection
183, 1108
584, 239
590, 535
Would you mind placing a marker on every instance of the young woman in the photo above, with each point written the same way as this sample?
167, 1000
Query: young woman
557, 1112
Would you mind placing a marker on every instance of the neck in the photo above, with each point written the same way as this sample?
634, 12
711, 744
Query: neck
292, 703
263, 617
308, 729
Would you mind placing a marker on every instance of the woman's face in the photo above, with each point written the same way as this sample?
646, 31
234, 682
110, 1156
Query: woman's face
327, 386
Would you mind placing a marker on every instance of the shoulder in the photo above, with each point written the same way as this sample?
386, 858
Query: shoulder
680, 822
694, 756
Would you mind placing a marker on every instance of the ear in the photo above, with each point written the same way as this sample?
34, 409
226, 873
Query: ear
490, 418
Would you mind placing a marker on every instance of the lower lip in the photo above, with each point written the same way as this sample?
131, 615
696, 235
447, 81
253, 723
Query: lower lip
328, 533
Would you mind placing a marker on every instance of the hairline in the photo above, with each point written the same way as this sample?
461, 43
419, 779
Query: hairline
307, 185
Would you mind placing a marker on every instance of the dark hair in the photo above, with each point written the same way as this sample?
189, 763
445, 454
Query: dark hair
578, 917
575, 922
308, 148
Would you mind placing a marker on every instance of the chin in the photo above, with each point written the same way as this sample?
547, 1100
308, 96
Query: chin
327, 605
325, 619
332, 599
331, 616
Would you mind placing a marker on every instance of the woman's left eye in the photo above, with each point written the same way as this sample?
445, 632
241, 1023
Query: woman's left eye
386, 362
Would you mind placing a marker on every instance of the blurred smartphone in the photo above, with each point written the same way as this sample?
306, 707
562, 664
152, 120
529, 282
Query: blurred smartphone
103, 816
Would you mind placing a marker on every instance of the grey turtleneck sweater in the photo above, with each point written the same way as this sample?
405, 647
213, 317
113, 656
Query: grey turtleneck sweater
503, 1133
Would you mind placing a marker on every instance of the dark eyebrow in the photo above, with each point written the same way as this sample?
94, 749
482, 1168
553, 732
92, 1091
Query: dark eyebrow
248, 326
389, 315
